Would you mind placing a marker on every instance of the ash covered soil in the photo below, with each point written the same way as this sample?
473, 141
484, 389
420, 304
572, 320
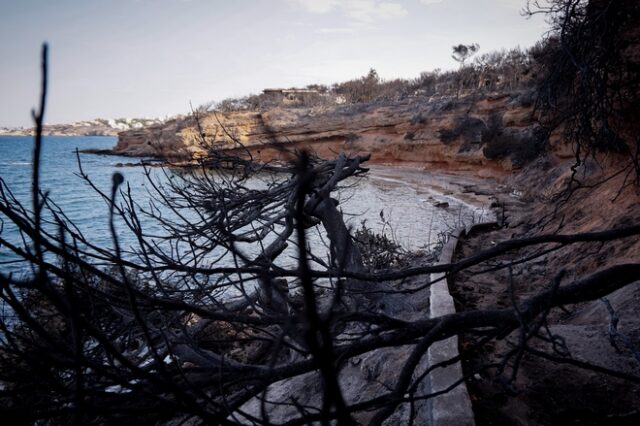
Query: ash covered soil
604, 333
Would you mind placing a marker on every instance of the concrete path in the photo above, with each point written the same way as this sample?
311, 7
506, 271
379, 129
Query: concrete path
453, 407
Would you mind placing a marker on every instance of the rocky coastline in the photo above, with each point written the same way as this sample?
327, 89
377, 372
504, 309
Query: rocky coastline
465, 138
435, 133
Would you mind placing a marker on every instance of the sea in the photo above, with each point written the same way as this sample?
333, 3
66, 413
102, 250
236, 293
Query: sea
403, 212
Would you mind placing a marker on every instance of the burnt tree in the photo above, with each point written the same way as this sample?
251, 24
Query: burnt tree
205, 321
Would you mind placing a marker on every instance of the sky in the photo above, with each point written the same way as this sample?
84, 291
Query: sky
152, 58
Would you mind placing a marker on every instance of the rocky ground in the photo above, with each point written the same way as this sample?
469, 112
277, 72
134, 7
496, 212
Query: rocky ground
546, 392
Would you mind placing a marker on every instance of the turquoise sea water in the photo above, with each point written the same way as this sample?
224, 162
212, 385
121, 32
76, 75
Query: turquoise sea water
59, 177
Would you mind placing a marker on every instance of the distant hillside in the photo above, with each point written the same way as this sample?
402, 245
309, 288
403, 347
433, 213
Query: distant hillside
97, 127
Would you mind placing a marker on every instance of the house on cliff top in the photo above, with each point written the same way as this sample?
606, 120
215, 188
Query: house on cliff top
293, 95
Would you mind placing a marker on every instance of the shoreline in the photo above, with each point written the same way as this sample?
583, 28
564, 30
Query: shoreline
471, 191
476, 193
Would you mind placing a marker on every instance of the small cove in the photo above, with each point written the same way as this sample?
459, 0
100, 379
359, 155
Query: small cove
400, 202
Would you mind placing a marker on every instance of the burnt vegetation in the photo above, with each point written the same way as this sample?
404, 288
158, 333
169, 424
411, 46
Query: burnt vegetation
504, 71
589, 84
208, 322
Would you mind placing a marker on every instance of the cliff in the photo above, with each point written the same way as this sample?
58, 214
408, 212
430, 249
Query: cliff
441, 133
485, 136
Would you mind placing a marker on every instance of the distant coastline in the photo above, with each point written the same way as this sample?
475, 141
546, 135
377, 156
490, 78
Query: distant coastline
97, 127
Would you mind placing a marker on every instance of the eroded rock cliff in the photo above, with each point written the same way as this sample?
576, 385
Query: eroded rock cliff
435, 133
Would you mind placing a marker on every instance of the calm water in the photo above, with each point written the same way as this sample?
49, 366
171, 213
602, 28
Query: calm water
59, 168
414, 221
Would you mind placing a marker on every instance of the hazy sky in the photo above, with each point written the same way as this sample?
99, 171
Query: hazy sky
135, 58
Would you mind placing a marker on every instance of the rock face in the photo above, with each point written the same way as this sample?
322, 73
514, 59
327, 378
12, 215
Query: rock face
435, 133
